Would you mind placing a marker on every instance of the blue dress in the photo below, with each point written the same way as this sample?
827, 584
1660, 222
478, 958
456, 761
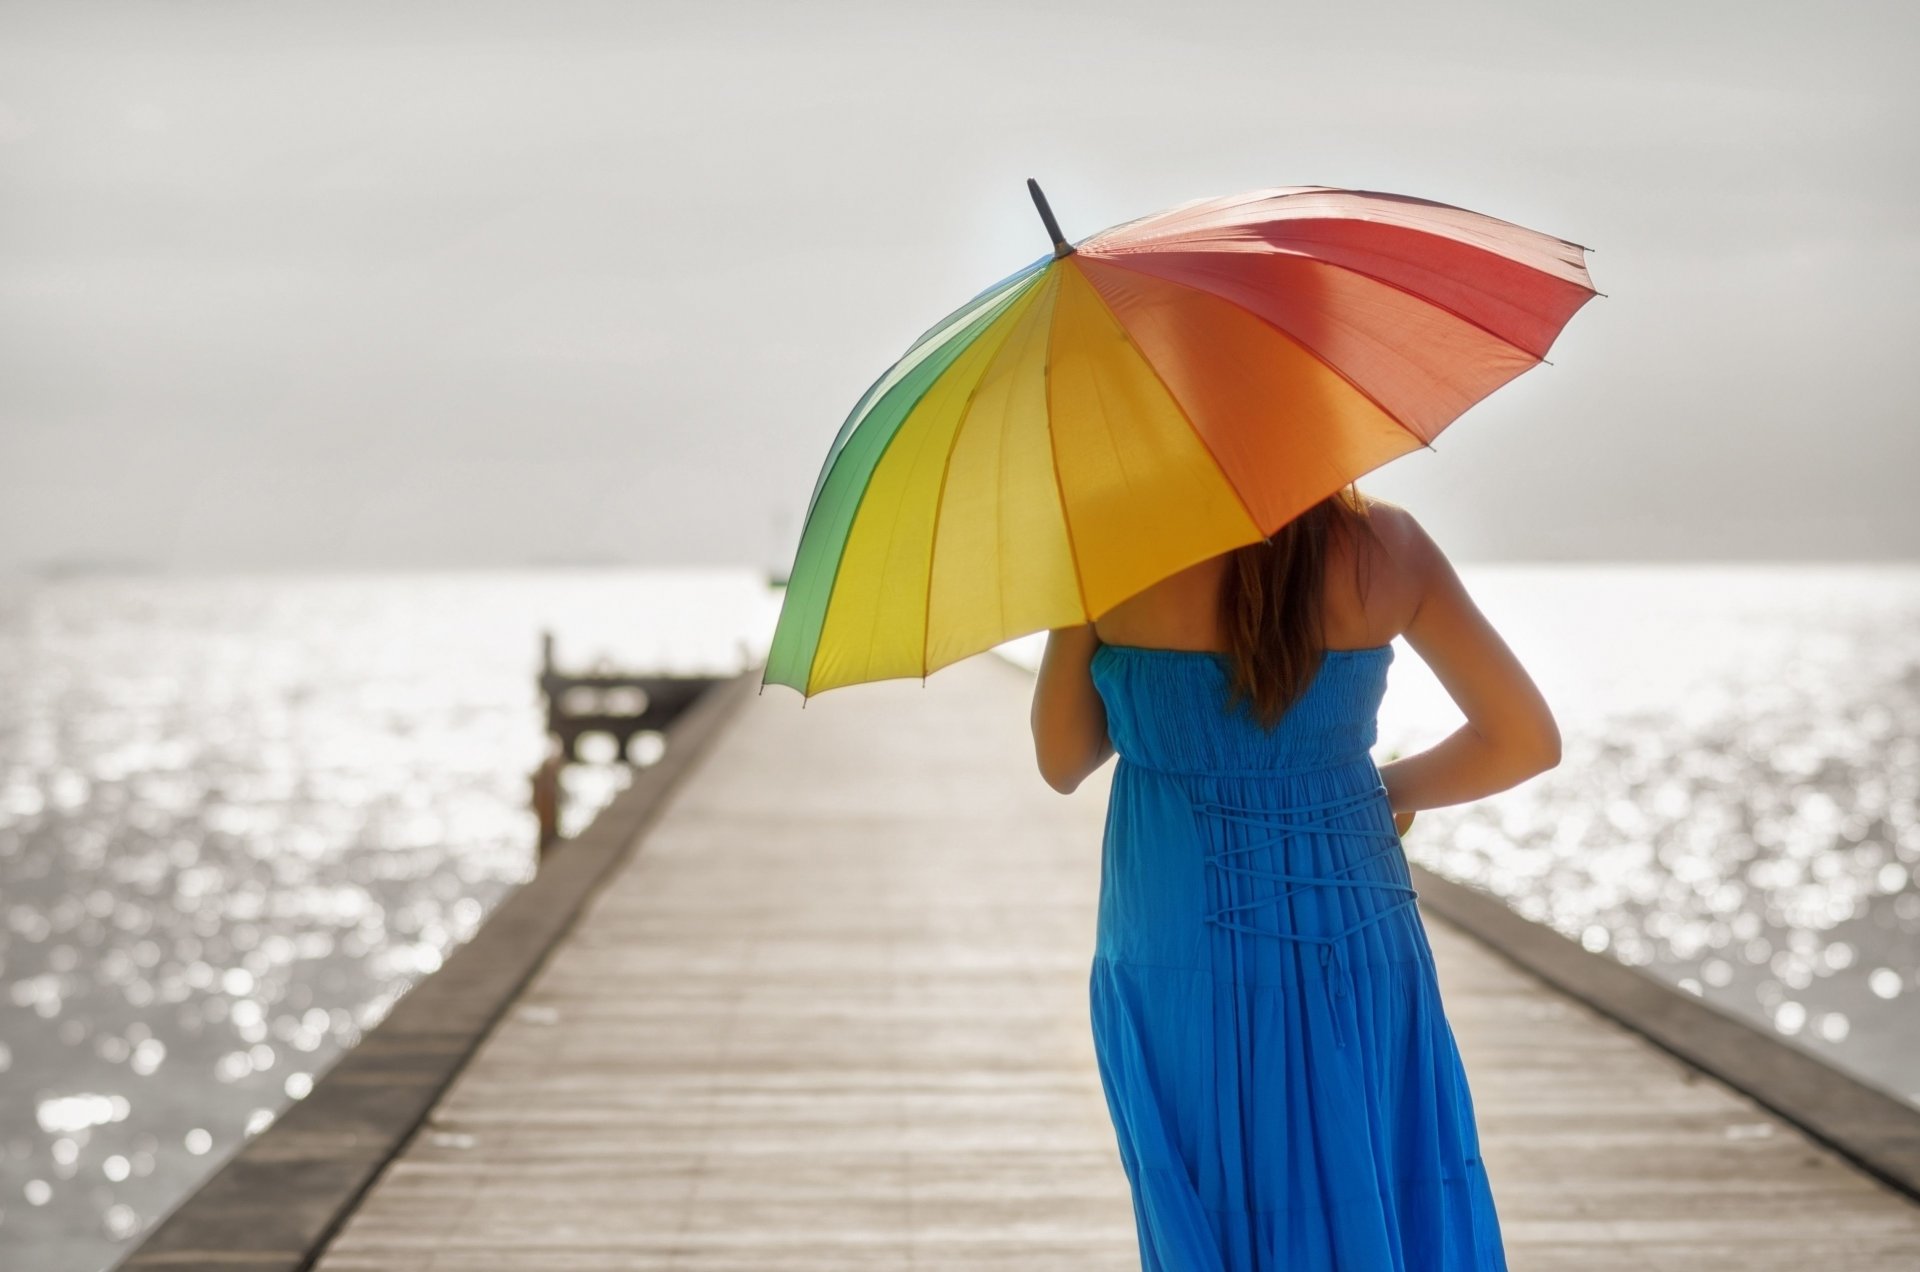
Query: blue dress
1282, 1078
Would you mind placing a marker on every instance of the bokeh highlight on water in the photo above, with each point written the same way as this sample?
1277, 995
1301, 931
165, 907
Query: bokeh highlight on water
240, 816
1737, 809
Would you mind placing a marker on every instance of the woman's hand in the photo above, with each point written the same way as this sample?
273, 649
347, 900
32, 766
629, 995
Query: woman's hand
1402, 821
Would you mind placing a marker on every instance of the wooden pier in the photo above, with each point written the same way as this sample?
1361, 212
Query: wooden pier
831, 1015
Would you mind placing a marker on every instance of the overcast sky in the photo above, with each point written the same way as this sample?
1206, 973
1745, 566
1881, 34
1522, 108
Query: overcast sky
471, 284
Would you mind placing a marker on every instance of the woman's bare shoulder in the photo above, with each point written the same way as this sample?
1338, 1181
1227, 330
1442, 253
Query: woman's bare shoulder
1404, 540
1390, 520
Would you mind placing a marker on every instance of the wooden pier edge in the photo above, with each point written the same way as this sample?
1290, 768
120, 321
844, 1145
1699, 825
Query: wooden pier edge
279, 1199
1876, 1131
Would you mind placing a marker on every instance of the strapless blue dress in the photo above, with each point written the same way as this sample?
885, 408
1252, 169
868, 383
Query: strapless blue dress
1283, 1081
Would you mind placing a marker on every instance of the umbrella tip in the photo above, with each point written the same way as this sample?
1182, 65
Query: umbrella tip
1060, 244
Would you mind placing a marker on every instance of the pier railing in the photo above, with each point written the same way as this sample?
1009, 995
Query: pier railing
622, 706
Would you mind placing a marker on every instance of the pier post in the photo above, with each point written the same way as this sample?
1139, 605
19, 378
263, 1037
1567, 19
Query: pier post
619, 704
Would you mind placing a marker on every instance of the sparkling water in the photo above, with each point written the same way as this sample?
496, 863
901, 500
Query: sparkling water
238, 816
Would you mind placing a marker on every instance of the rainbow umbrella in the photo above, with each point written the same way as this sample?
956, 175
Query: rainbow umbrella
1160, 393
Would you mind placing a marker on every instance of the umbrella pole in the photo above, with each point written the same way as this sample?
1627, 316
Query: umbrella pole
1060, 245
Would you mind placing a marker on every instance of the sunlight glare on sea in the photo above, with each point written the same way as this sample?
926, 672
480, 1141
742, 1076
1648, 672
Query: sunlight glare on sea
240, 816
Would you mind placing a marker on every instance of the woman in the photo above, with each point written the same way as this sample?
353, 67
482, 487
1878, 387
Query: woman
1281, 1075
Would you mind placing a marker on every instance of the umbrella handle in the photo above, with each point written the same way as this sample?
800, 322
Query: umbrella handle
1060, 245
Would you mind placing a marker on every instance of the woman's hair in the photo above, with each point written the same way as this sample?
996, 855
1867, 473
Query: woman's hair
1270, 603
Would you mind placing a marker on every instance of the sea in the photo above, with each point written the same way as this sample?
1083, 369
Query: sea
240, 815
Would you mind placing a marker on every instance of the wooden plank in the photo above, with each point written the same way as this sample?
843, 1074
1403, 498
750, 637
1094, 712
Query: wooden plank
832, 1015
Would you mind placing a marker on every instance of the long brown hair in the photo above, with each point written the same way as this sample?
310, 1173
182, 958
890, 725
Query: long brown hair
1271, 603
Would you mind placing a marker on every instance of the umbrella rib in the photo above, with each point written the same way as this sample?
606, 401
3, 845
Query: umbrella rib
1476, 236
1427, 300
1053, 452
940, 491
1161, 249
1179, 406
1305, 348
933, 539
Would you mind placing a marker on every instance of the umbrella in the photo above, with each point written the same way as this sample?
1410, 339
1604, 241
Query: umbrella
1159, 393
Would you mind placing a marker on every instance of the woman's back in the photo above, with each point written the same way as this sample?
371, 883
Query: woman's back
1167, 709
1390, 582
1372, 588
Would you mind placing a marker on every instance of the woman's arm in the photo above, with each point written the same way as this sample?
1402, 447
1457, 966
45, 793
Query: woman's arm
1069, 719
1510, 734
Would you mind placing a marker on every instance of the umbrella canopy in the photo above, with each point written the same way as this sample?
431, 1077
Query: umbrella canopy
1160, 393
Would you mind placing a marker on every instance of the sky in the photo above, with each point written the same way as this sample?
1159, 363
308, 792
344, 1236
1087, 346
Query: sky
347, 285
